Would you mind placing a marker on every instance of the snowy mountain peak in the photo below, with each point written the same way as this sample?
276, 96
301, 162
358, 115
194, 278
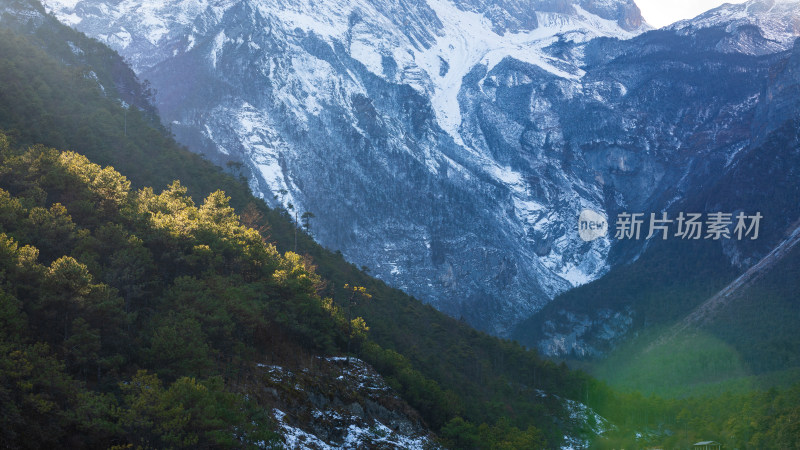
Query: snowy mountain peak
756, 27
516, 16
625, 12
427, 44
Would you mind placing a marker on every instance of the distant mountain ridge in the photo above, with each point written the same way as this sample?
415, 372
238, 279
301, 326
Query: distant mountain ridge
756, 27
758, 177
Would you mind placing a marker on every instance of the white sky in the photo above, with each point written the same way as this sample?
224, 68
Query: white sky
659, 13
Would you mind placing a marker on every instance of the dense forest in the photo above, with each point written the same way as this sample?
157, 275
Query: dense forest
133, 307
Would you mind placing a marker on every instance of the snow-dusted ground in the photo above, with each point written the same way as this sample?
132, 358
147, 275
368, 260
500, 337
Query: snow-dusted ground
588, 419
357, 436
339, 406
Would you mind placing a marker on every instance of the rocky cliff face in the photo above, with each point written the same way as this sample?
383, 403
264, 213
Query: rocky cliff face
759, 177
447, 146
336, 405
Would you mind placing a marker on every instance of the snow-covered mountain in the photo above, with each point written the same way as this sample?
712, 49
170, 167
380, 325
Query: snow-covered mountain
756, 27
446, 145
674, 283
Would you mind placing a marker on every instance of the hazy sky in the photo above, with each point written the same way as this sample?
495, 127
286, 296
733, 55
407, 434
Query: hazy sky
664, 12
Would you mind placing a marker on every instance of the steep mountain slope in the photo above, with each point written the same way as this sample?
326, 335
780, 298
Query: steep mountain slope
735, 322
458, 379
742, 338
362, 113
107, 293
449, 146
744, 335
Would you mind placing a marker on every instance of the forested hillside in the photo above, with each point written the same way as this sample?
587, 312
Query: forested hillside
101, 283
442, 367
